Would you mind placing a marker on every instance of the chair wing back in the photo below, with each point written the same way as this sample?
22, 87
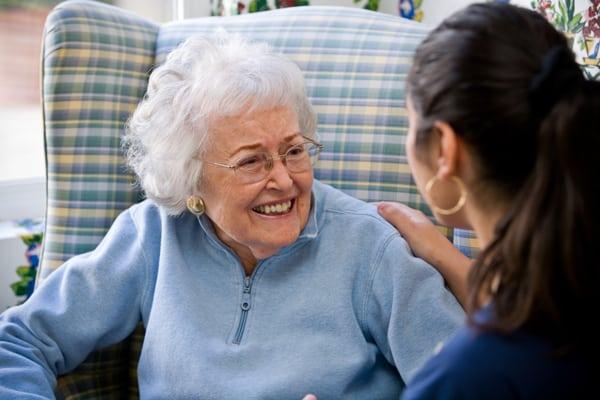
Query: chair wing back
95, 67
96, 62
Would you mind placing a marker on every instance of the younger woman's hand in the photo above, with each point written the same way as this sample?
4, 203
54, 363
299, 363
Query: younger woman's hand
428, 243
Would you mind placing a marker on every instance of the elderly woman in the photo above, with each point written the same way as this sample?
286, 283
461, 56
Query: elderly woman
252, 279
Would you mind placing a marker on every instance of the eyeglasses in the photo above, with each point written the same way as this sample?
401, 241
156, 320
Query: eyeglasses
255, 167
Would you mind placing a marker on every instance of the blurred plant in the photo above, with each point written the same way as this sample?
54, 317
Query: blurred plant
258, 5
233, 7
588, 39
372, 5
411, 9
291, 3
591, 26
561, 14
27, 273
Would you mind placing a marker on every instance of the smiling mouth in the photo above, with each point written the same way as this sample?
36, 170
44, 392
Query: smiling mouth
275, 208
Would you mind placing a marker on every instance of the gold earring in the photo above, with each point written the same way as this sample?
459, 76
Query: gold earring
459, 204
196, 205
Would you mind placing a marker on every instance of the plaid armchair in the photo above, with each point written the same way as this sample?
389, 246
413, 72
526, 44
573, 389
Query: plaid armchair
96, 61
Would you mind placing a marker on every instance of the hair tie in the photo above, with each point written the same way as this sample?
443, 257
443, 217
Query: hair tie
559, 75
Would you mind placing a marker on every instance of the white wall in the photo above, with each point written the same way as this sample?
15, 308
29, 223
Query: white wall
19, 199
12, 252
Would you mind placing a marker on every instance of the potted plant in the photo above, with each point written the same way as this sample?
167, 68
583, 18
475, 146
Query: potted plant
411, 9
591, 34
562, 15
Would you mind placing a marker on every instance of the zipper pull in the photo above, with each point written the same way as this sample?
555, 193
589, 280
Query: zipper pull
246, 295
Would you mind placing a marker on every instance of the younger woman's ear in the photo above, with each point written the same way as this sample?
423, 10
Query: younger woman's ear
448, 150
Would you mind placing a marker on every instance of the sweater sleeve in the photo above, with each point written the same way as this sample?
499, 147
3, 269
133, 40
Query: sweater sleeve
409, 311
90, 302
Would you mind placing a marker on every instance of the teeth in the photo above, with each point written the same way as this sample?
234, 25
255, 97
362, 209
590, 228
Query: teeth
274, 208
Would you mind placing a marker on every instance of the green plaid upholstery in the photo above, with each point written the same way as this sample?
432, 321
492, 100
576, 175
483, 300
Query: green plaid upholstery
95, 70
96, 60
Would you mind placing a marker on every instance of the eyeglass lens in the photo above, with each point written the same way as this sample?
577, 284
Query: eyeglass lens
297, 158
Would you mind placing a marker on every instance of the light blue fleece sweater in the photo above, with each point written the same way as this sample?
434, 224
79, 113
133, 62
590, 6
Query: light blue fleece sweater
344, 312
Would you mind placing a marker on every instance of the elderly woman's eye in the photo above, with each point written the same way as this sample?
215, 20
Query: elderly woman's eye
296, 151
250, 162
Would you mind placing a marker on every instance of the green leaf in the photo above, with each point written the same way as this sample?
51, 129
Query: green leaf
562, 15
20, 288
576, 24
261, 5
25, 271
570, 9
559, 23
252, 6
32, 238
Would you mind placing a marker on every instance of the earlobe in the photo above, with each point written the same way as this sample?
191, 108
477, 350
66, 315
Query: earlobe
448, 152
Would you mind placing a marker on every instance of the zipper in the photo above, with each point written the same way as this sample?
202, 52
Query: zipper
245, 306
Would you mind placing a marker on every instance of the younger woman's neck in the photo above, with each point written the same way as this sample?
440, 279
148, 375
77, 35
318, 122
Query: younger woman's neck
484, 221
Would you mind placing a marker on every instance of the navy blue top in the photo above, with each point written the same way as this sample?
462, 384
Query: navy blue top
490, 365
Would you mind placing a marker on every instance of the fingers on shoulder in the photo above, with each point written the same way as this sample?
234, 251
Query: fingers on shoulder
400, 215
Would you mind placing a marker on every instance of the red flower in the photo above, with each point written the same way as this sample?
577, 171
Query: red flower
592, 23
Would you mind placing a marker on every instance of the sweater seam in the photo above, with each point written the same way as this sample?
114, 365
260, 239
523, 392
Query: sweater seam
144, 296
358, 213
375, 267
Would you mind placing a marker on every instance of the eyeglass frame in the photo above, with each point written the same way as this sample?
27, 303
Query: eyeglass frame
272, 158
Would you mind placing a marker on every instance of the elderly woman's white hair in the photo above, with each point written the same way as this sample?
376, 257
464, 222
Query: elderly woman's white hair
201, 81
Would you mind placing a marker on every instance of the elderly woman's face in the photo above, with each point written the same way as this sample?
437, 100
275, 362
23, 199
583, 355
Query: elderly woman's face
261, 216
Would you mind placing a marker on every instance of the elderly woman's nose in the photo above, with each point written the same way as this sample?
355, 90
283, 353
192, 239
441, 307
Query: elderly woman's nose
279, 176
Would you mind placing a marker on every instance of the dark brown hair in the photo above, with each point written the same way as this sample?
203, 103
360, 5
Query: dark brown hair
508, 84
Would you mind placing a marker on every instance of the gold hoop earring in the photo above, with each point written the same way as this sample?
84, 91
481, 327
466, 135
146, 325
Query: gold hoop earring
196, 205
459, 204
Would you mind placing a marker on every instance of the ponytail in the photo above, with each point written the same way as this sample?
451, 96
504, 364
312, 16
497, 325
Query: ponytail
507, 82
541, 268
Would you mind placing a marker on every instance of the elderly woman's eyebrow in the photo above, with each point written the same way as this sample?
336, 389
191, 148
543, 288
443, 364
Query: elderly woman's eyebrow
255, 146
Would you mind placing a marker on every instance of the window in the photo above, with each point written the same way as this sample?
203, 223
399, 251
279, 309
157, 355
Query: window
22, 165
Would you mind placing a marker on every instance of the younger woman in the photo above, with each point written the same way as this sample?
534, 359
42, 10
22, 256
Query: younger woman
504, 131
